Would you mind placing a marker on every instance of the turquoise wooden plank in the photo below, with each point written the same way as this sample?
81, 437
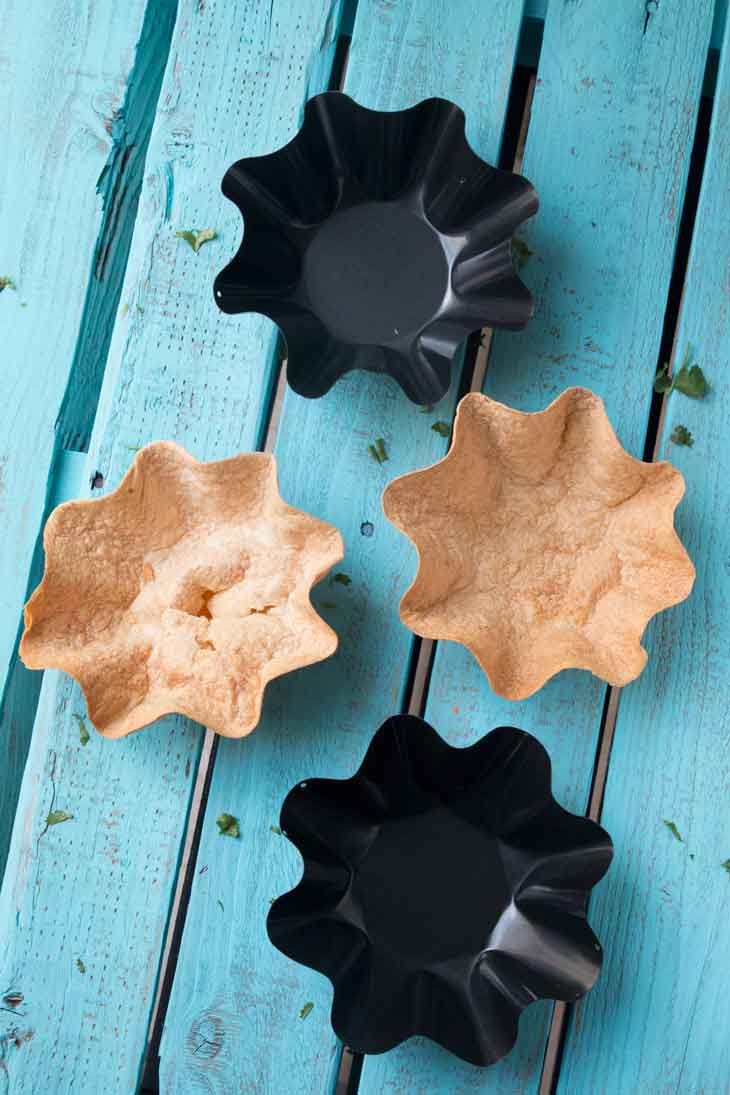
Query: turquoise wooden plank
98, 888
63, 77
658, 1020
536, 9
608, 149
233, 1021
119, 187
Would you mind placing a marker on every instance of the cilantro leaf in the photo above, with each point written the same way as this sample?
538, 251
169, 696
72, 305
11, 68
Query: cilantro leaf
662, 380
196, 237
6, 283
673, 830
275, 829
306, 1009
520, 251
56, 817
441, 428
228, 825
341, 579
691, 382
83, 732
80, 966
378, 451
426, 408
680, 435
688, 380
726, 865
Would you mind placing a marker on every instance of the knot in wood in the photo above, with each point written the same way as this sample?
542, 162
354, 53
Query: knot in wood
205, 1039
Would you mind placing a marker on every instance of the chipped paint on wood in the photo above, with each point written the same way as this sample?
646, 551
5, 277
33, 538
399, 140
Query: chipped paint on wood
321, 720
64, 72
100, 887
602, 250
663, 913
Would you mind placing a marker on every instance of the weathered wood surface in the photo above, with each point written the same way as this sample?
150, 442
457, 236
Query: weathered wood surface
658, 1021
237, 992
608, 150
536, 9
64, 71
98, 888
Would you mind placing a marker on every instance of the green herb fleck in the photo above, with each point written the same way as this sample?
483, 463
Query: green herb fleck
306, 1009
196, 237
673, 830
689, 380
83, 732
6, 283
221, 905
56, 817
662, 380
520, 251
124, 311
427, 408
228, 825
680, 435
441, 428
378, 451
726, 865
80, 966
328, 606
341, 579
276, 829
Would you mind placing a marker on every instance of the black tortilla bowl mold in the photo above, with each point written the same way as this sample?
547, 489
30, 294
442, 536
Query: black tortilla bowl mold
376, 240
443, 891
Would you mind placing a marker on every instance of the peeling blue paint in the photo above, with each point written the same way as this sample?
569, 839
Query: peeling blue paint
118, 187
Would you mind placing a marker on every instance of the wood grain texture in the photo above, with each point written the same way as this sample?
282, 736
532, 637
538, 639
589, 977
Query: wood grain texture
608, 150
98, 887
20, 700
536, 9
119, 187
658, 1019
237, 992
64, 70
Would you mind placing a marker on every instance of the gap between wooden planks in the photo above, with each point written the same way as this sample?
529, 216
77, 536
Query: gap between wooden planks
652, 446
666, 909
82, 107
114, 864
609, 97
399, 56
470, 380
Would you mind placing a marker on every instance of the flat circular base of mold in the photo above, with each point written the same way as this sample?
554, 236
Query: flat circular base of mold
376, 273
434, 860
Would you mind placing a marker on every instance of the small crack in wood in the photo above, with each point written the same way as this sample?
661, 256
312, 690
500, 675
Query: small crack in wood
53, 797
650, 8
